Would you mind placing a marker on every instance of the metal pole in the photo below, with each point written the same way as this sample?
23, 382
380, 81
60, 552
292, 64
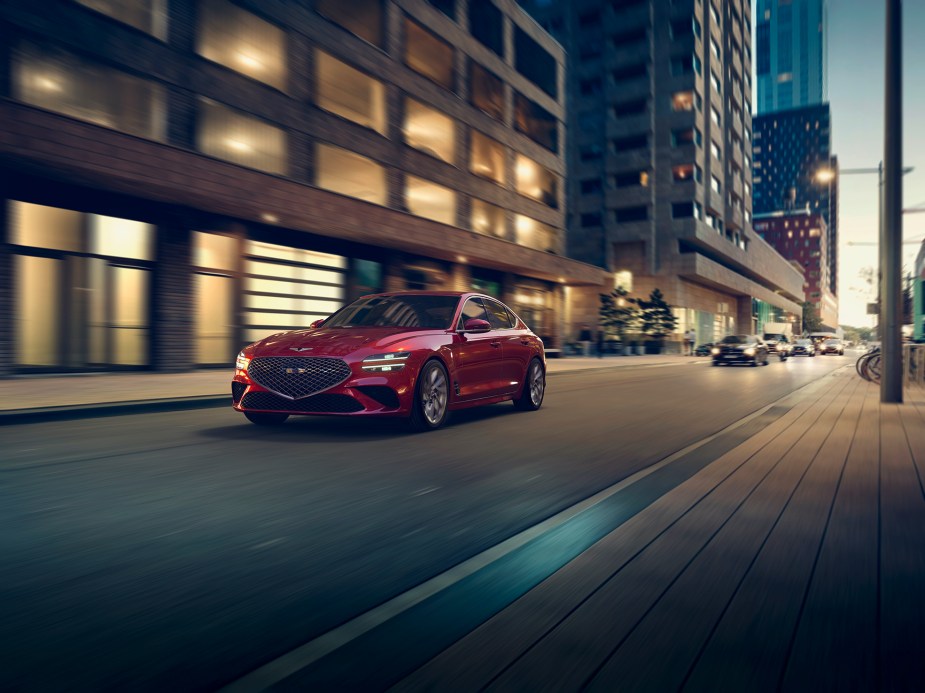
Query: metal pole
891, 384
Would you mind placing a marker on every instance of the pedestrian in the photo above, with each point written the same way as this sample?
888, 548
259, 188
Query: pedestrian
690, 337
585, 337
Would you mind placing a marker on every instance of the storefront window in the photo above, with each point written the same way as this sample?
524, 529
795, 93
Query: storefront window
121, 238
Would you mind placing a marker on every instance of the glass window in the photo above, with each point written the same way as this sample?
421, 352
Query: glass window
486, 158
75, 87
243, 42
448, 7
682, 172
148, 15
498, 316
630, 214
349, 93
535, 181
427, 54
429, 130
214, 316
45, 227
425, 312
214, 251
241, 139
535, 63
360, 17
535, 234
37, 327
121, 238
350, 174
682, 101
429, 200
487, 91
473, 310
487, 25
487, 219
536, 123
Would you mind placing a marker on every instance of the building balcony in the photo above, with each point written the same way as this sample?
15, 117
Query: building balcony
630, 90
627, 127
627, 197
635, 160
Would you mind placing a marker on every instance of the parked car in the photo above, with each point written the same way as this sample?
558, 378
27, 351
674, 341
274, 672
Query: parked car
803, 347
740, 348
703, 349
833, 346
414, 354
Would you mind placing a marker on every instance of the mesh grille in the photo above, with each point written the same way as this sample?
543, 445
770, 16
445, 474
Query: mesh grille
298, 376
237, 389
319, 404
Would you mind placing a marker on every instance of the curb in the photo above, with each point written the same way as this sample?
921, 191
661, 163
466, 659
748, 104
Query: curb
87, 411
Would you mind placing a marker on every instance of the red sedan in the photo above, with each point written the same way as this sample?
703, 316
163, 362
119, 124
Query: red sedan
413, 354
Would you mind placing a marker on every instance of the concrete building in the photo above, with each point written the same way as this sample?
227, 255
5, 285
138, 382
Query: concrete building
790, 149
800, 236
791, 48
659, 157
918, 297
181, 177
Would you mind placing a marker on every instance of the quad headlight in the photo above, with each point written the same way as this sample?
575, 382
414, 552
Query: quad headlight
241, 362
715, 351
384, 363
750, 351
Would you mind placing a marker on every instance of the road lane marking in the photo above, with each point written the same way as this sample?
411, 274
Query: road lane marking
425, 491
267, 544
303, 656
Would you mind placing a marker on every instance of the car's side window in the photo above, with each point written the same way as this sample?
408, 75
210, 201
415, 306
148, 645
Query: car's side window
472, 310
499, 318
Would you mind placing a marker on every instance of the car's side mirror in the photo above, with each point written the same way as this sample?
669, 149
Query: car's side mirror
317, 323
476, 325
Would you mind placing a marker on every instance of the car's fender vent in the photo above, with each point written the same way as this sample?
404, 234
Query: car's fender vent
237, 390
318, 404
383, 394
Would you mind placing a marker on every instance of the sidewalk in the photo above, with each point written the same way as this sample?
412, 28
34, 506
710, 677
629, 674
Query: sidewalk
90, 394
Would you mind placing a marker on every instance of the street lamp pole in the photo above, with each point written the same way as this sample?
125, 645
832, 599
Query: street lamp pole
891, 386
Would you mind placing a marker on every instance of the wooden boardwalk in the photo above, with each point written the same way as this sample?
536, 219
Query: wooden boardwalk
796, 561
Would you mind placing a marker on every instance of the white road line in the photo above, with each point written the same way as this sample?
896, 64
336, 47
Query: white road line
301, 657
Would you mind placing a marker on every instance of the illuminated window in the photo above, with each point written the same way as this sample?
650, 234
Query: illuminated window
241, 139
535, 181
682, 173
349, 93
536, 123
486, 158
429, 200
245, 43
714, 114
350, 174
486, 91
81, 89
360, 17
148, 15
715, 184
682, 101
427, 54
121, 238
535, 234
45, 227
429, 130
487, 219
213, 251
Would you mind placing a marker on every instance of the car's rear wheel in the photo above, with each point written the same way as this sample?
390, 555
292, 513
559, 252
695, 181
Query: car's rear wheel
531, 398
431, 397
265, 418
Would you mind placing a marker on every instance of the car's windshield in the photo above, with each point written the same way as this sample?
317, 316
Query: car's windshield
738, 339
411, 311
834, 342
769, 336
804, 342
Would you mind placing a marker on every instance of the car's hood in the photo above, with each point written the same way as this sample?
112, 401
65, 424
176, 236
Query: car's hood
334, 341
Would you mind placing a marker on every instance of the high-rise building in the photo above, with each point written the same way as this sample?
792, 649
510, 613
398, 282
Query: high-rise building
800, 236
790, 53
791, 148
181, 177
659, 157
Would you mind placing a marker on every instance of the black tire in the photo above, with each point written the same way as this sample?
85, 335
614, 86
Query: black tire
430, 409
265, 418
534, 389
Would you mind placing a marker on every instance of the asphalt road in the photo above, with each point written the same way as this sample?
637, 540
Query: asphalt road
182, 550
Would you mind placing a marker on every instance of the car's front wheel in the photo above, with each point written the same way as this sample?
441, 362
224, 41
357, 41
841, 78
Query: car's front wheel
531, 398
265, 418
431, 397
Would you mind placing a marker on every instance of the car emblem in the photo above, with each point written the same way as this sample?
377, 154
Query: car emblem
301, 348
295, 371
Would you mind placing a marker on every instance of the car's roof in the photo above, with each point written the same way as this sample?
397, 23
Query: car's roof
456, 294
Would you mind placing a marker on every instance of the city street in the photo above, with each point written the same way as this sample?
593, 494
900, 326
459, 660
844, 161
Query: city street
186, 549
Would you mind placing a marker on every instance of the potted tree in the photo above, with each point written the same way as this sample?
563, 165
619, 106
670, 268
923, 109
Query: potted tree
617, 314
656, 320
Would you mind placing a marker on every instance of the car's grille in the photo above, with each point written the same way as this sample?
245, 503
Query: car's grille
298, 376
237, 389
330, 403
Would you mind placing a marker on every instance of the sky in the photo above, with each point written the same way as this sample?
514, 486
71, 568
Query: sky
856, 93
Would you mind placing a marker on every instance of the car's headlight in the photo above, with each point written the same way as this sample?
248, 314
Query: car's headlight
750, 351
383, 363
714, 351
241, 362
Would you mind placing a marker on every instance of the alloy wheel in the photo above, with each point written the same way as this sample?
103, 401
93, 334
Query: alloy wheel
537, 384
434, 394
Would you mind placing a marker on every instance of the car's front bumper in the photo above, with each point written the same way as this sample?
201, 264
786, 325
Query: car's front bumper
734, 358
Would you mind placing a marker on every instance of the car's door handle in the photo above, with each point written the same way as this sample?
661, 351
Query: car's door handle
496, 344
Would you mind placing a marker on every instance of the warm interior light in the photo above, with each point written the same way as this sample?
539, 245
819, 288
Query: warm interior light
526, 170
46, 83
249, 61
269, 218
238, 145
825, 175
